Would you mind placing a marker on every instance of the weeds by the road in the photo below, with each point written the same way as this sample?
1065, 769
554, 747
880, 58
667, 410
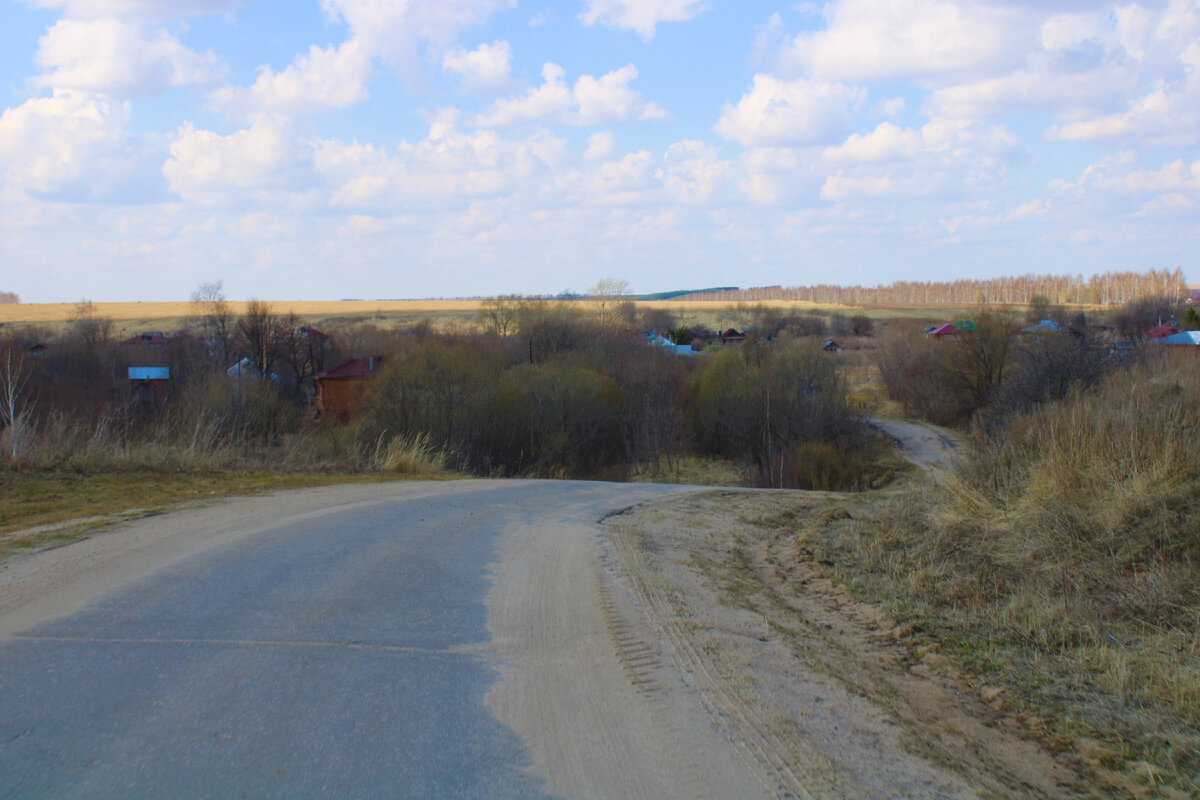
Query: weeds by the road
47, 508
1060, 564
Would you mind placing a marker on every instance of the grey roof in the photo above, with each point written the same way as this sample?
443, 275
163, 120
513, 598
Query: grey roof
1182, 338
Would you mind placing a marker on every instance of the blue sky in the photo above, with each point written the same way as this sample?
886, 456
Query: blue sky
441, 148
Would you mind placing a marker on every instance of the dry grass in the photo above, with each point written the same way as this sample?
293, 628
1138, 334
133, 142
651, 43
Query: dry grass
60, 312
1063, 565
410, 455
45, 508
694, 471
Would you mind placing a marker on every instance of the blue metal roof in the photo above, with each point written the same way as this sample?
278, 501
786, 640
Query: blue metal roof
149, 373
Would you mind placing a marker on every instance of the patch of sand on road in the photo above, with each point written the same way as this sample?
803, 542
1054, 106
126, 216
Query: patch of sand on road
587, 683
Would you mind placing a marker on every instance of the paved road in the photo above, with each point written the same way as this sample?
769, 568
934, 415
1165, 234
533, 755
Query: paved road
338, 652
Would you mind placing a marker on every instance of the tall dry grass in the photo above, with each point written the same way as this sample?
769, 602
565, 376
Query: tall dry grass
208, 443
1066, 554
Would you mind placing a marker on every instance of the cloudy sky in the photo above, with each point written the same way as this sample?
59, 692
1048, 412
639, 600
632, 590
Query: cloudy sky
316, 149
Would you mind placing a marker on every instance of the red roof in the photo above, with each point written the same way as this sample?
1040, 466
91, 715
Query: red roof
153, 337
354, 368
944, 330
311, 332
1166, 329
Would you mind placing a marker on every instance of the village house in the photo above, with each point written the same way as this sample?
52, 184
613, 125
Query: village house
732, 336
340, 390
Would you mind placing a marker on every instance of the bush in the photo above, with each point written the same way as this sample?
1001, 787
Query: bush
758, 405
861, 325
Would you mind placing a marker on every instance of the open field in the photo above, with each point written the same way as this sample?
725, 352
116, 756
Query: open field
131, 318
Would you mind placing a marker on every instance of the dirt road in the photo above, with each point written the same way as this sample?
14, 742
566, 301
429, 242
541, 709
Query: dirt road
466, 639
927, 446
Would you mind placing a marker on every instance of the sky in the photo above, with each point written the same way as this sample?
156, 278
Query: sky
327, 149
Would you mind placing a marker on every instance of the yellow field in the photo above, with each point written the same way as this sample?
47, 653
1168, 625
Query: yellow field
60, 312
170, 316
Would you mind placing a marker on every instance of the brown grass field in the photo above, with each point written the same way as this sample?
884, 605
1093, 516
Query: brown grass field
134, 317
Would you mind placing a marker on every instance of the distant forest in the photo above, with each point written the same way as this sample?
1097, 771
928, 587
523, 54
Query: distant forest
1107, 288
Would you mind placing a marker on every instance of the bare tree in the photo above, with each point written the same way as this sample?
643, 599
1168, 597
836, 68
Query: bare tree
215, 319
499, 314
14, 411
261, 332
982, 355
89, 325
608, 294
9, 297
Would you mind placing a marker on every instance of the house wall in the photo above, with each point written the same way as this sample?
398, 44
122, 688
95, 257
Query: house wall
341, 396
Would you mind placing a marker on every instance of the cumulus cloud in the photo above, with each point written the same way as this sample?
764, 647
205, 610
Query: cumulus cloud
797, 112
119, 57
642, 16
692, 171
1121, 177
943, 156
47, 143
210, 168
151, 10
599, 145
887, 142
484, 68
1128, 74
395, 30
907, 39
324, 78
591, 101
75, 147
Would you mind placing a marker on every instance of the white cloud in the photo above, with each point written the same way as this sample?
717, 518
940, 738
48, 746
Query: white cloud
592, 101
600, 145
49, 143
950, 157
324, 78
120, 58
887, 142
904, 39
802, 111
449, 168
609, 98
210, 169
622, 181
891, 106
692, 171
484, 68
551, 97
1121, 178
395, 29
1168, 116
642, 16
152, 10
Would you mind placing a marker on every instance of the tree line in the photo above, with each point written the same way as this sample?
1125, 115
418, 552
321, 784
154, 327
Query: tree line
541, 389
1107, 288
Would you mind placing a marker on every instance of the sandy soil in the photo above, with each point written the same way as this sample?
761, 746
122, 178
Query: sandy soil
824, 690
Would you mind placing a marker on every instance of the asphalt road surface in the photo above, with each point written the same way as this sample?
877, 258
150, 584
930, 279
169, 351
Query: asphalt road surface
328, 644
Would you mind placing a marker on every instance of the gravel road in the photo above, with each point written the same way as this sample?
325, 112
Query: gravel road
442, 639
927, 446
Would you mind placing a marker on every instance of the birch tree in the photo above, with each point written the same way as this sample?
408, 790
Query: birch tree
14, 410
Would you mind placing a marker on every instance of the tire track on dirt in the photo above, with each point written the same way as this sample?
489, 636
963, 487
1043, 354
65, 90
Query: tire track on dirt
787, 770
